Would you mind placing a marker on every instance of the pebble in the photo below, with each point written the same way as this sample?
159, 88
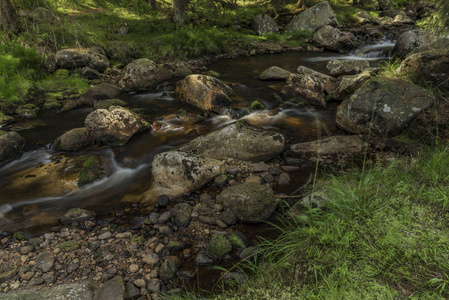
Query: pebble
159, 247
37, 281
163, 200
133, 268
140, 283
73, 267
124, 235
165, 230
150, 259
25, 250
28, 275
164, 217
64, 234
105, 235
260, 167
154, 285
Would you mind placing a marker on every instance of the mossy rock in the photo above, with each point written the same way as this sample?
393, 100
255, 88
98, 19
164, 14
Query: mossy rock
19, 235
28, 111
175, 246
92, 171
73, 140
52, 104
69, 246
218, 247
182, 213
168, 270
256, 105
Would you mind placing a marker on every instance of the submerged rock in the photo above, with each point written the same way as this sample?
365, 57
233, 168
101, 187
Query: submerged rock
384, 106
11, 146
143, 75
313, 18
175, 173
205, 92
114, 126
92, 171
240, 141
332, 145
264, 24
251, 202
274, 73
81, 57
73, 140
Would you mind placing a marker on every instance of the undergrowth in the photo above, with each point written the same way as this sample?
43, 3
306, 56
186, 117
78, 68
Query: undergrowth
381, 234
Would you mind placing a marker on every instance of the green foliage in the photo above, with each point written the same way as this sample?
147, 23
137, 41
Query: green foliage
382, 233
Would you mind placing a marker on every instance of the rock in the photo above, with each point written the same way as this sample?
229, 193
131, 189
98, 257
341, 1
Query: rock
42, 14
131, 291
73, 267
28, 275
113, 289
250, 252
333, 39
26, 249
363, 17
274, 73
163, 200
70, 291
175, 173
154, 285
264, 24
92, 171
428, 67
105, 235
221, 181
402, 19
228, 217
105, 104
332, 145
205, 92
351, 83
11, 146
73, 140
307, 88
89, 73
168, 270
329, 83
81, 57
250, 202
163, 218
203, 260
412, 40
27, 111
346, 67
218, 247
313, 18
151, 259
45, 261
69, 246
174, 246
143, 75
384, 106
114, 126
240, 141
6, 120
8, 275
103, 91
133, 268
181, 213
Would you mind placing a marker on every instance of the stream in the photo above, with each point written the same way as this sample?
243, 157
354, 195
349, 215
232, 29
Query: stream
32, 196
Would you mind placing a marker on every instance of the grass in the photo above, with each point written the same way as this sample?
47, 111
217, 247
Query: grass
382, 234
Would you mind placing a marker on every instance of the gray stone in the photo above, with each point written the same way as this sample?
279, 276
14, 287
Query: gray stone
163, 200
71, 291
143, 75
154, 285
333, 39
338, 67
150, 259
164, 217
227, 217
411, 40
240, 141
73, 140
332, 145
250, 252
203, 260
274, 73
113, 289
81, 57
383, 106
264, 24
250, 202
350, 83
11, 146
313, 18
26, 249
102, 91
168, 270
8, 275
307, 88
329, 83
154, 218
181, 213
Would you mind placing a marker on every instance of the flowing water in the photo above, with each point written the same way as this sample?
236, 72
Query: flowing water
36, 189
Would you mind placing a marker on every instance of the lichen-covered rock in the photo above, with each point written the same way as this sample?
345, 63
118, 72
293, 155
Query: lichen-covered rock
307, 88
81, 57
181, 213
251, 202
338, 67
330, 83
205, 92
350, 83
105, 104
412, 40
383, 106
333, 39
264, 24
240, 141
73, 140
76, 215
11, 146
313, 18
218, 246
175, 173
332, 145
102, 91
274, 73
428, 67
114, 126
143, 75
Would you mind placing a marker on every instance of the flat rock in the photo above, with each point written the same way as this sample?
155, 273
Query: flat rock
331, 145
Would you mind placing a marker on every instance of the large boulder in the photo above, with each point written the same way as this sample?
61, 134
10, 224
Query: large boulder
251, 202
114, 126
73, 140
205, 92
81, 57
264, 24
143, 75
329, 83
313, 18
339, 67
428, 67
383, 106
274, 73
333, 39
69, 291
11, 146
306, 87
102, 91
175, 173
240, 141
411, 41
332, 145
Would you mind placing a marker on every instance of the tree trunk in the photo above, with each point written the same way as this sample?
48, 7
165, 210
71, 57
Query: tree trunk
152, 4
8, 16
300, 3
179, 8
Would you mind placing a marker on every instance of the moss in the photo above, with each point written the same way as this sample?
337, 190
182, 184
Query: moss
175, 245
19, 235
69, 246
219, 246
199, 118
256, 104
92, 170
